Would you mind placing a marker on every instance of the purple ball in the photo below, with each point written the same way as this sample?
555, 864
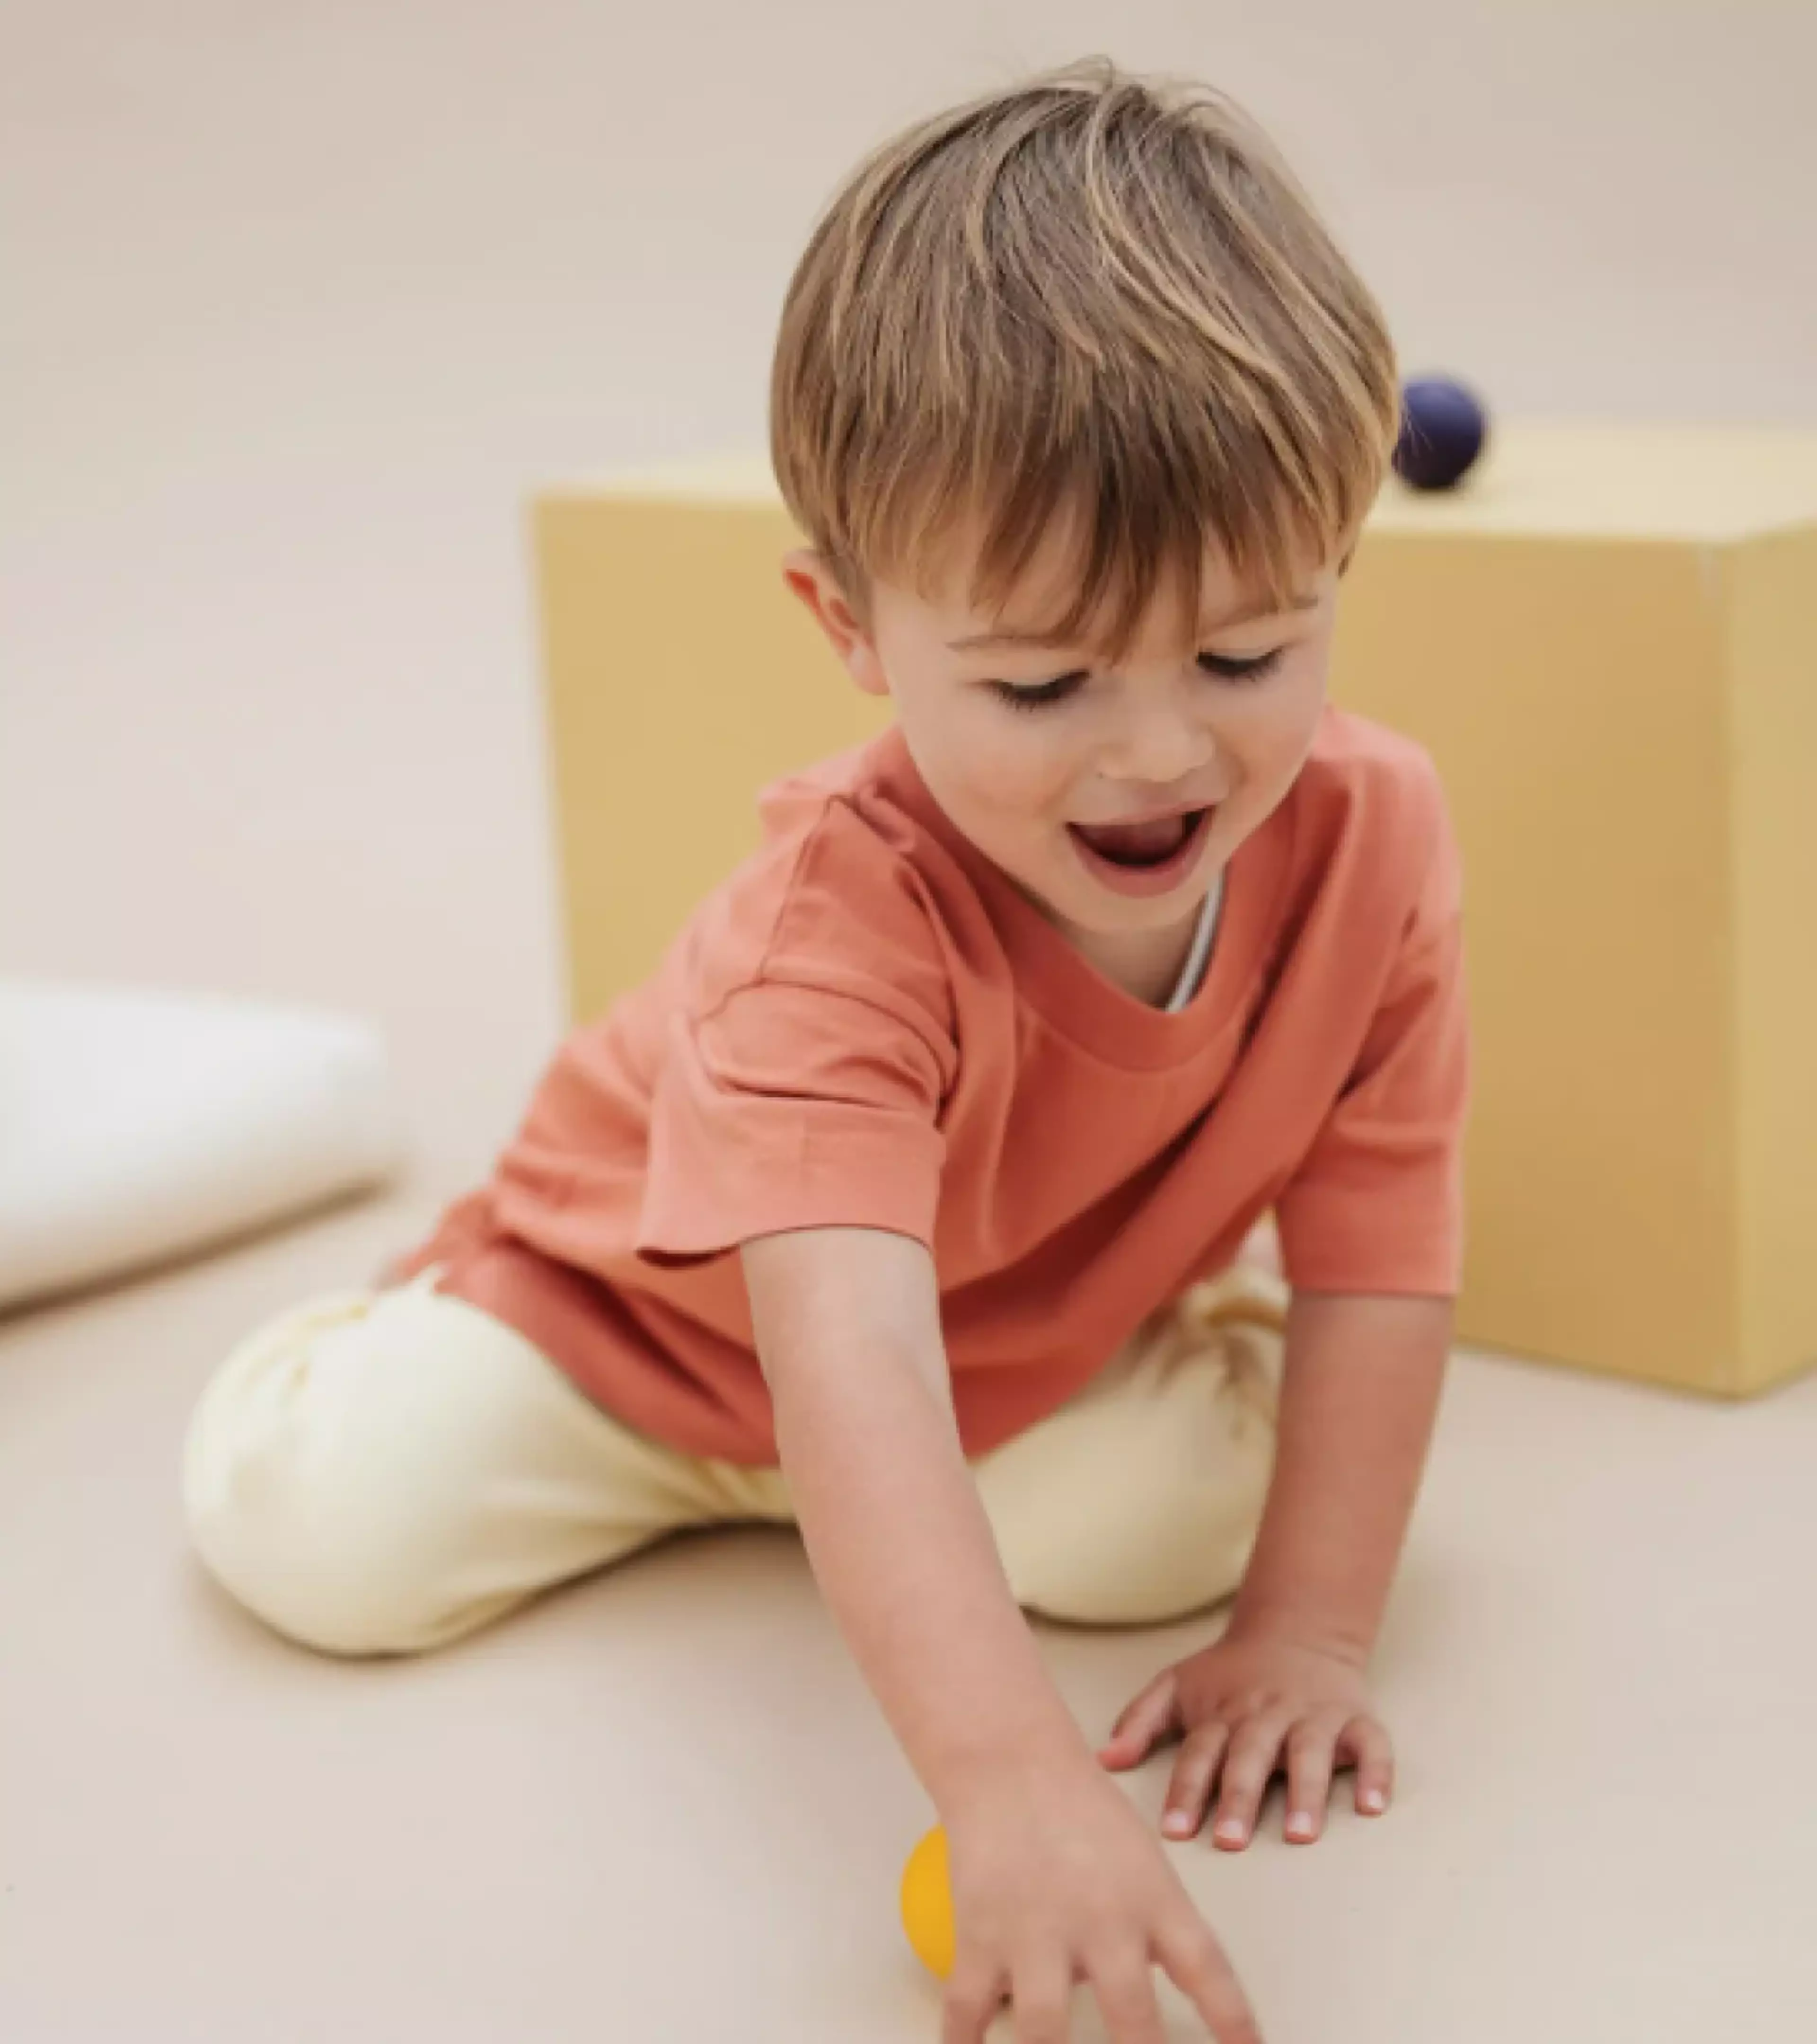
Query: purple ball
1442, 429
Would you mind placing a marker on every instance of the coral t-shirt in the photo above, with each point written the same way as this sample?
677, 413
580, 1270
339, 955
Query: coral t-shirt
870, 1026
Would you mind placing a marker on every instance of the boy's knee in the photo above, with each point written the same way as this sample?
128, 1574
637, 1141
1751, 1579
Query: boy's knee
1139, 1505
311, 1565
1103, 1580
287, 1516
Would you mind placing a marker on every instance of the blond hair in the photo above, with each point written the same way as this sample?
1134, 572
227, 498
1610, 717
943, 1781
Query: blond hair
1093, 298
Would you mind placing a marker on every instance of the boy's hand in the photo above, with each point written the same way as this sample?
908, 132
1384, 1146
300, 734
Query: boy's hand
1247, 1709
1056, 1880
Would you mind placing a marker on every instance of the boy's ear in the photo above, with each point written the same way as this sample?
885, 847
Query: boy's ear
809, 576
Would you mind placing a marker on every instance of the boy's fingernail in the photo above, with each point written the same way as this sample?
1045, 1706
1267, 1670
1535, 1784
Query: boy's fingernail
1374, 1800
1299, 1825
1230, 1830
1177, 1824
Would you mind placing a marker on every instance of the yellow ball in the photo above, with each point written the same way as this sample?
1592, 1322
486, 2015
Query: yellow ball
927, 1905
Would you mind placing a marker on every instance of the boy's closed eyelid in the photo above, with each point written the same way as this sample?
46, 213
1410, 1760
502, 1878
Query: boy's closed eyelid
1243, 663
1036, 695
1209, 659
1035, 686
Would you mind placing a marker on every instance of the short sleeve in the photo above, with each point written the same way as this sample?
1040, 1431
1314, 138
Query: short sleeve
1377, 1205
794, 1106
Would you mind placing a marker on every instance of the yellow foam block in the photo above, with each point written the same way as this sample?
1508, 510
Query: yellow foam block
1609, 641
681, 677
1610, 645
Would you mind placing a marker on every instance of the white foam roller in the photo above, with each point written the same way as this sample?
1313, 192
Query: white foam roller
138, 1126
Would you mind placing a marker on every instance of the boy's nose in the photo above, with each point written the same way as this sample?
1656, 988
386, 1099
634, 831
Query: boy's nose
1159, 751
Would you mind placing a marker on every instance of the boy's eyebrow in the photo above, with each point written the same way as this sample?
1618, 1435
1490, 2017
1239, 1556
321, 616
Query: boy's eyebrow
1006, 637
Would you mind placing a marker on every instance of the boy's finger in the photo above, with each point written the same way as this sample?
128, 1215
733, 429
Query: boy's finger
1195, 1963
1126, 1997
1312, 1754
1043, 2005
1364, 1742
1153, 1715
1195, 1775
973, 1996
1249, 1767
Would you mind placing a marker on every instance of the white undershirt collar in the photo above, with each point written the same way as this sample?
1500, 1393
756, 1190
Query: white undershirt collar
1193, 972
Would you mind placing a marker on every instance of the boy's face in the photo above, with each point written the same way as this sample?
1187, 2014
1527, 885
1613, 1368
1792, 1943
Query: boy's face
1112, 796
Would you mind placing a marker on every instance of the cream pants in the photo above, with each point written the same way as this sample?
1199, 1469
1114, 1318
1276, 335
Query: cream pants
379, 1472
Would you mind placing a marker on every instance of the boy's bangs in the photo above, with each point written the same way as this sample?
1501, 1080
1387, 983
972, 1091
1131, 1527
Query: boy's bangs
1120, 527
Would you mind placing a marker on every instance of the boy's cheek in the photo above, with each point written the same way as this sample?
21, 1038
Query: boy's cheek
1002, 783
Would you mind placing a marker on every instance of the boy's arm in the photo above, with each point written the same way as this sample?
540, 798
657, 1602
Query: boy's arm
1286, 1684
1055, 1879
848, 1329
1358, 1402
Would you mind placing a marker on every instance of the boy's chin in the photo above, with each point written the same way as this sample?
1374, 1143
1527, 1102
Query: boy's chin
1105, 911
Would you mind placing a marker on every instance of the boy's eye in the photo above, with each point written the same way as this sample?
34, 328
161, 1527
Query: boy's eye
1228, 670
1038, 695
1041, 695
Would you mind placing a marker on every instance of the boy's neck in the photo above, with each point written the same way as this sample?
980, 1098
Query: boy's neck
1145, 964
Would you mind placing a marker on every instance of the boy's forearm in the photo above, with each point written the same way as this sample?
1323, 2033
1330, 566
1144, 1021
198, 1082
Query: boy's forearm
1359, 1400
904, 1555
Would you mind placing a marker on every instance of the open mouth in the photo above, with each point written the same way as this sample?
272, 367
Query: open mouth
1142, 846
1142, 857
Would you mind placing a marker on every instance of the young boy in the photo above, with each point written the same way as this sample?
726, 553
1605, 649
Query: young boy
905, 1202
